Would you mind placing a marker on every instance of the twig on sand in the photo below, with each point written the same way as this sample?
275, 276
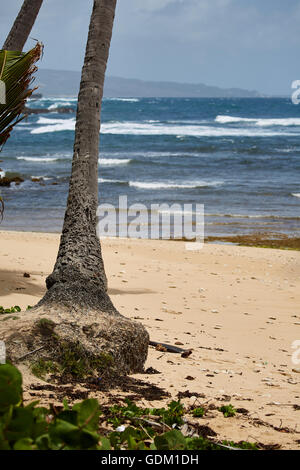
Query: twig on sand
29, 353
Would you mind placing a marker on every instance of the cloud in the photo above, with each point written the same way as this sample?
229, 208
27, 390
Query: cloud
242, 43
152, 5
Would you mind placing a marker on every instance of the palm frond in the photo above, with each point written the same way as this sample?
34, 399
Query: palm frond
17, 72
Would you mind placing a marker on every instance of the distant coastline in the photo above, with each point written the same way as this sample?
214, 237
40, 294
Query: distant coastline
66, 83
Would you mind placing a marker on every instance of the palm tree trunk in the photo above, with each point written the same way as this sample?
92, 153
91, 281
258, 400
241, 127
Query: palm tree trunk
22, 26
79, 262
77, 297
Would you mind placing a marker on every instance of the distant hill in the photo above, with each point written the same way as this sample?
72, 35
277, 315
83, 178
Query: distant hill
66, 83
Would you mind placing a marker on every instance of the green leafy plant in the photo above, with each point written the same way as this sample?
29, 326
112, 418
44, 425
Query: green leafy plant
76, 427
74, 362
14, 309
172, 415
198, 412
228, 411
41, 368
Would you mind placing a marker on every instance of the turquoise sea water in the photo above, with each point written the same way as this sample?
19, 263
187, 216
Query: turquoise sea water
238, 157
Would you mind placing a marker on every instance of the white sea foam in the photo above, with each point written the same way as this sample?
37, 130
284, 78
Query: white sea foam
259, 122
53, 121
54, 125
38, 159
73, 99
163, 185
129, 100
146, 128
113, 161
170, 185
54, 106
135, 128
296, 194
2, 174
45, 178
103, 180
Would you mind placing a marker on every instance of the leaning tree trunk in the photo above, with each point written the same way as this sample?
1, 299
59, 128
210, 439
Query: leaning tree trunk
22, 26
80, 314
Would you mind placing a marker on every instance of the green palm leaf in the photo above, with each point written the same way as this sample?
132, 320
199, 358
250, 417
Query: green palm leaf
17, 72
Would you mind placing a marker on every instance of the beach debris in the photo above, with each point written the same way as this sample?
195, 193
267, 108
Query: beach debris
163, 347
224, 397
121, 428
292, 382
186, 354
29, 353
242, 411
26, 275
188, 394
189, 377
151, 370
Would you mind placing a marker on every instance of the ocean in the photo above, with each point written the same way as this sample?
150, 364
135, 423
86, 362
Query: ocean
238, 157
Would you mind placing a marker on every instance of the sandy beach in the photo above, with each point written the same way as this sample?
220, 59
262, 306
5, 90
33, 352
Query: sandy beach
237, 308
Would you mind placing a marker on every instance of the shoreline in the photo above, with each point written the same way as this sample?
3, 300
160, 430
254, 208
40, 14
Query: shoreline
236, 307
269, 240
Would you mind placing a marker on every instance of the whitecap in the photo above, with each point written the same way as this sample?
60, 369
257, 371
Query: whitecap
144, 128
103, 180
173, 185
285, 122
38, 159
54, 106
129, 100
54, 125
113, 161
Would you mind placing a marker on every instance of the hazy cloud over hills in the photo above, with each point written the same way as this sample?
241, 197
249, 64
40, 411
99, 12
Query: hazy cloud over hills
65, 83
250, 44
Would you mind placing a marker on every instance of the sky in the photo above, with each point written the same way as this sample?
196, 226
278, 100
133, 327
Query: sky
251, 44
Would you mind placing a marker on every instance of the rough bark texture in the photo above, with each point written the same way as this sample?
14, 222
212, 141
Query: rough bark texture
22, 26
79, 277
76, 299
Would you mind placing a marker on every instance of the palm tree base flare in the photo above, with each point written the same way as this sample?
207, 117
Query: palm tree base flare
49, 333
